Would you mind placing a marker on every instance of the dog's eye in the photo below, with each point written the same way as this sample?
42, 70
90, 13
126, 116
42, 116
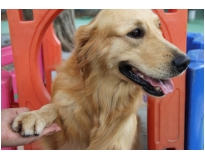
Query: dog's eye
137, 33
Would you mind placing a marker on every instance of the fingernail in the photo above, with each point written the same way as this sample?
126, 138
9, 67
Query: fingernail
58, 129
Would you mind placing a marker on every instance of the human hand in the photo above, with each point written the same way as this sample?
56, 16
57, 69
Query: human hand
9, 138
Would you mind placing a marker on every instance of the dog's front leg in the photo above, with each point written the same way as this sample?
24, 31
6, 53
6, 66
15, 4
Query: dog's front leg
33, 122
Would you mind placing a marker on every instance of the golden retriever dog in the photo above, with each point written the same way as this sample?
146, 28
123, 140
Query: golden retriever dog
97, 91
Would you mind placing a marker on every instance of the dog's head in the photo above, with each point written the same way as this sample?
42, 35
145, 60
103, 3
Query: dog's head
130, 46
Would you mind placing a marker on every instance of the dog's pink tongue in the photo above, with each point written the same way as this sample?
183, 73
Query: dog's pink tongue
166, 86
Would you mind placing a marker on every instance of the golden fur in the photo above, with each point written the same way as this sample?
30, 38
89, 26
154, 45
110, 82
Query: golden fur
95, 104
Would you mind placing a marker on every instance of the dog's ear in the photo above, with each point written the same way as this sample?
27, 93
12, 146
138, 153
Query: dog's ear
81, 37
84, 38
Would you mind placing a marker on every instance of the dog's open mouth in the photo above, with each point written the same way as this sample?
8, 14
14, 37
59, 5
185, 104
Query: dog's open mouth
155, 87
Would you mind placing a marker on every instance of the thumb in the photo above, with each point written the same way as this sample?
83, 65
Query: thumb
22, 109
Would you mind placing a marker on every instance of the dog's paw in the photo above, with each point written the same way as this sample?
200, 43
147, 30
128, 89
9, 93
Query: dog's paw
29, 124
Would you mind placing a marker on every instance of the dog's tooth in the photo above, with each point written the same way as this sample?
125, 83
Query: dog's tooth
157, 88
134, 69
142, 76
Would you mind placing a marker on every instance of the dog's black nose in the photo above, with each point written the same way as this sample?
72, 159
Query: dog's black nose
181, 62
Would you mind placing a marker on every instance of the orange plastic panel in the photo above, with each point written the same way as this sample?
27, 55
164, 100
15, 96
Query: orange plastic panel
166, 115
26, 38
52, 54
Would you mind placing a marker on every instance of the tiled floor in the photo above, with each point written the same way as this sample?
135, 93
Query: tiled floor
143, 117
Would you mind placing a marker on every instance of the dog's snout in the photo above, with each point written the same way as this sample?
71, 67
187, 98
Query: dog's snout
180, 62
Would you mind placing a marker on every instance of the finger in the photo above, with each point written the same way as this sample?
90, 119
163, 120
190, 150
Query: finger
20, 110
53, 128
